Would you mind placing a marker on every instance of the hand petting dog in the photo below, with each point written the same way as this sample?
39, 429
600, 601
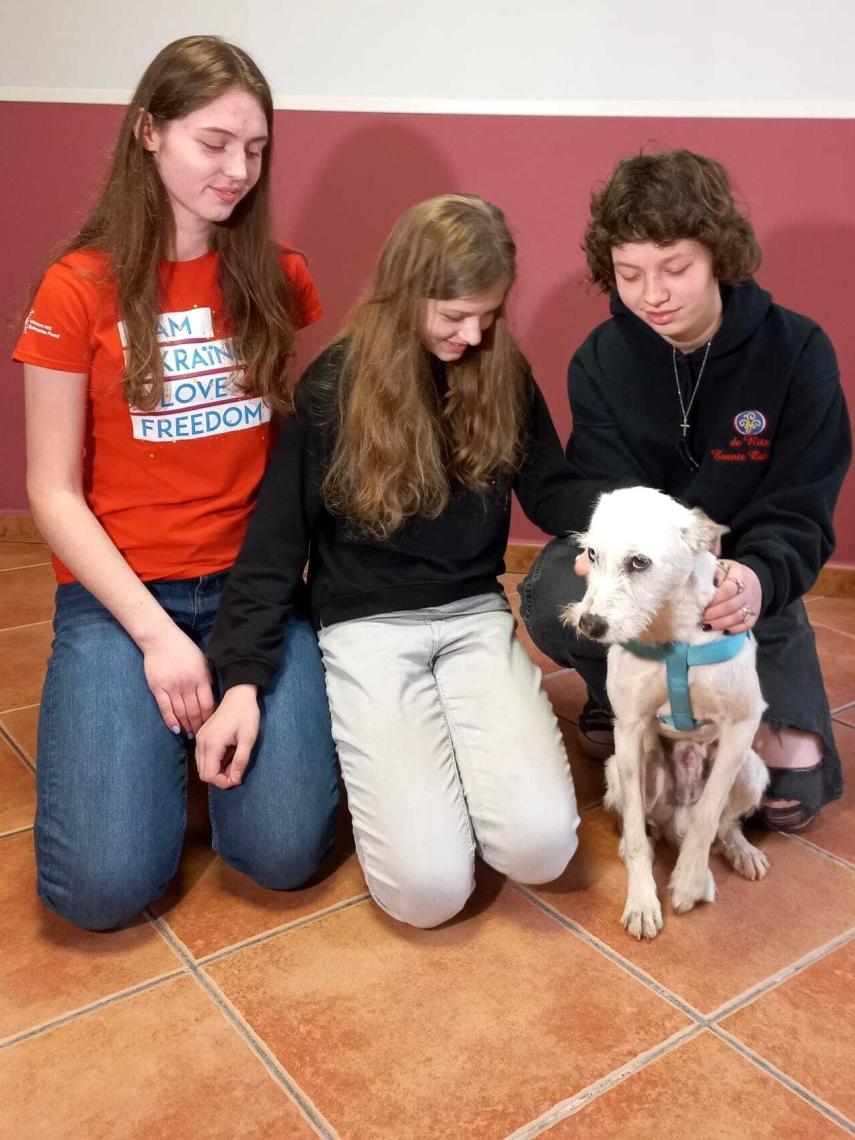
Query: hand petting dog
736, 604
738, 600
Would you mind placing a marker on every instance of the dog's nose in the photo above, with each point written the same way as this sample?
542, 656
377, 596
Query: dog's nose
592, 625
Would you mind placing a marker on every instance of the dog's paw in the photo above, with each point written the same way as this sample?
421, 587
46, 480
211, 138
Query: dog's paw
686, 890
743, 856
642, 918
750, 862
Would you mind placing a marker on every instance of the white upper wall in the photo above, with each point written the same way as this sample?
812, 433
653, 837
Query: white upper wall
588, 56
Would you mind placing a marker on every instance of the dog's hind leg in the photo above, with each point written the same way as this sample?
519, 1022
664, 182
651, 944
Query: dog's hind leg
642, 915
745, 795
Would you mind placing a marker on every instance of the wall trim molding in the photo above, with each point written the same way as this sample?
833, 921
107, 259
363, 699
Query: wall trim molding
560, 108
19, 528
833, 581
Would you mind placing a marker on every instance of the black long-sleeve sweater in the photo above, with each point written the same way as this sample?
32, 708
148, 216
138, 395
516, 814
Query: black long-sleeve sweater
769, 430
427, 562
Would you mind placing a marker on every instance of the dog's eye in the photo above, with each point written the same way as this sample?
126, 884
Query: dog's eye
639, 562
592, 554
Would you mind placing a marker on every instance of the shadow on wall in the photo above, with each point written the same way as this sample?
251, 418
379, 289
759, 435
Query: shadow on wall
558, 326
349, 206
801, 264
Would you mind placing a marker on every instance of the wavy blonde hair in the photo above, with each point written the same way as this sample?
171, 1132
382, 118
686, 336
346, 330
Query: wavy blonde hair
402, 441
132, 223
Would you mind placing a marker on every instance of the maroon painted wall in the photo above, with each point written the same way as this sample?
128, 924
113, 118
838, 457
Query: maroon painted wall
342, 178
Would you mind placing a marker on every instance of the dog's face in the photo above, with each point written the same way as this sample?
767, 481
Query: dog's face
641, 547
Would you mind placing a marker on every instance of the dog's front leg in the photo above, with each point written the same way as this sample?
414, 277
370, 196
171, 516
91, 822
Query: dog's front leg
642, 915
692, 879
744, 797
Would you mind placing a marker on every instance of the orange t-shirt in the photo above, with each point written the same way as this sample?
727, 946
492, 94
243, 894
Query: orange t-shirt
173, 488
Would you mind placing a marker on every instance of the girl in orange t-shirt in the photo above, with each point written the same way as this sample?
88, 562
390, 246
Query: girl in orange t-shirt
154, 354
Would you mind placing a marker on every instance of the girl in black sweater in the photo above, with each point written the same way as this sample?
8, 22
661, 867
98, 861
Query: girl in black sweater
394, 478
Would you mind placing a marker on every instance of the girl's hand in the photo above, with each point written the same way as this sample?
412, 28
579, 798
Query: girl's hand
224, 745
738, 600
177, 674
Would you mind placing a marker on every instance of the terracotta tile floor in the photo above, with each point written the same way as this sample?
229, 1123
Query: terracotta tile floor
230, 1010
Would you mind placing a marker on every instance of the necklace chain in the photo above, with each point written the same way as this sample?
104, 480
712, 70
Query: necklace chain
685, 409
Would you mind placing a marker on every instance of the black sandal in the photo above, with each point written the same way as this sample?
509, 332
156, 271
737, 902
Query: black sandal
796, 817
804, 786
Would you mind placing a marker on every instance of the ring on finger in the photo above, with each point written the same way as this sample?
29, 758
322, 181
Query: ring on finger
740, 585
747, 614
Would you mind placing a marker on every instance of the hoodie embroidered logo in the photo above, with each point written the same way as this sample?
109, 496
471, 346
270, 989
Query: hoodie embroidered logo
749, 422
748, 445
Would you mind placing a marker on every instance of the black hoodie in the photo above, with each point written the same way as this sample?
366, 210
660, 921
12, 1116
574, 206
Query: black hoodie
769, 441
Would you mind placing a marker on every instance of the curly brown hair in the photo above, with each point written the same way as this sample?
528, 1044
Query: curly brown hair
665, 198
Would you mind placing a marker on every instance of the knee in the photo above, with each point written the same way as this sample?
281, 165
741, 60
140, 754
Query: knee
424, 896
537, 850
549, 587
280, 863
105, 898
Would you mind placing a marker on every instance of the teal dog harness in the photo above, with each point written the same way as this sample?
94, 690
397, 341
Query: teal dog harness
679, 656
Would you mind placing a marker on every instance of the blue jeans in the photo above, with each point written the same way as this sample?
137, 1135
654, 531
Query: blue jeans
112, 778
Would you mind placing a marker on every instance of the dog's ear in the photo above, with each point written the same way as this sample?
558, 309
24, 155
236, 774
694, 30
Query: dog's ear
703, 533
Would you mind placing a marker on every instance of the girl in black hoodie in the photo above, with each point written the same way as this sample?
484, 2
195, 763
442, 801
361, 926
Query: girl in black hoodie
701, 386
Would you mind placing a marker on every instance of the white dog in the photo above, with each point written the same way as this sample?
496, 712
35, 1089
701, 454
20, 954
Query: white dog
692, 774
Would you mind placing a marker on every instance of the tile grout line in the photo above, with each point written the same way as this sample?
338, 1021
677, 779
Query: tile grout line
596, 1089
613, 955
26, 625
16, 831
19, 708
594, 805
842, 708
26, 566
803, 842
285, 928
277, 1072
93, 1007
833, 629
747, 997
783, 1078
773, 981
19, 752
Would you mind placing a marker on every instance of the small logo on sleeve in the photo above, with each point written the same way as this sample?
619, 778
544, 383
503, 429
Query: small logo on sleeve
750, 422
34, 326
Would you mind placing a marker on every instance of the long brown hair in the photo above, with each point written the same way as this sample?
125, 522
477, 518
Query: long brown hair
401, 441
664, 198
132, 223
